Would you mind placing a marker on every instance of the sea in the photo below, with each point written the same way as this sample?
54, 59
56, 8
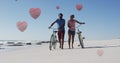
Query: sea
13, 45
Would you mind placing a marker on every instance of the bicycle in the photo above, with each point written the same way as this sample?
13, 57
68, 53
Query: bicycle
53, 39
79, 33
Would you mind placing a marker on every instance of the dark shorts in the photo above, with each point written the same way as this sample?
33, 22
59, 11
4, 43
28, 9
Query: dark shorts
61, 34
71, 32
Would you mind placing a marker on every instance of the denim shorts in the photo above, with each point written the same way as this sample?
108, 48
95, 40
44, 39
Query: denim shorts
71, 32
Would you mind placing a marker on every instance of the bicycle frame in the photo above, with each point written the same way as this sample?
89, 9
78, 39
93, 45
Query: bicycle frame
53, 39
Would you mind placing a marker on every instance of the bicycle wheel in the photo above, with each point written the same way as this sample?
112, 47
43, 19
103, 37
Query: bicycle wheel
81, 40
55, 42
51, 42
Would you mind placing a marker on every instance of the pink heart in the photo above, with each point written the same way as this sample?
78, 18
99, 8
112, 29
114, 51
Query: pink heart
22, 25
79, 7
57, 7
35, 12
100, 52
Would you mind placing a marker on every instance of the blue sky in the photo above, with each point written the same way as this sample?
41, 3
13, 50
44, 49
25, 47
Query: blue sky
102, 18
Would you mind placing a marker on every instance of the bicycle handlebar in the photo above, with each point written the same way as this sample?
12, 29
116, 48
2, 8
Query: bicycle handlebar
50, 27
54, 29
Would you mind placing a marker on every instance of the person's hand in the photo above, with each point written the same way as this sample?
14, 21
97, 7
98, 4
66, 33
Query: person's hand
49, 27
69, 26
83, 23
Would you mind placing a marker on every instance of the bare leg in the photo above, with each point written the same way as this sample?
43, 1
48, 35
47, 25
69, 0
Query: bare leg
62, 43
59, 38
72, 41
62, 40
69, 39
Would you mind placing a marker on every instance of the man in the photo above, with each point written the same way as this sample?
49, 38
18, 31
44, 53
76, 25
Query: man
61, 29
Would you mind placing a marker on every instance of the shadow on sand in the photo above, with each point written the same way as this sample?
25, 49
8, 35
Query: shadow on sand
92, 47
101, 47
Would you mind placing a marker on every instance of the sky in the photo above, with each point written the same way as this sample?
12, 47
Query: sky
102, 18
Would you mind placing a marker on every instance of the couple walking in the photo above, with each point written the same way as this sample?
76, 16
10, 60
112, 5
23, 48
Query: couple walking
61, 29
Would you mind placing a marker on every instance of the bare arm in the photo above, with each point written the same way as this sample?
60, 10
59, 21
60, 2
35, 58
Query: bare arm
52, 24
80, 22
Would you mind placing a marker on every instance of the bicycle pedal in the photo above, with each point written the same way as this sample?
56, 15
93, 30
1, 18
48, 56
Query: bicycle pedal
78, 45
83, 37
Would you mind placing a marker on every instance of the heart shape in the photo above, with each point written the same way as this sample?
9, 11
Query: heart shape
100, 52
79, 7
22, 25
35, 12
57, 7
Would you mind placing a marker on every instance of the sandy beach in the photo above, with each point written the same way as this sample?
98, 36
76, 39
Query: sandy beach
104, 51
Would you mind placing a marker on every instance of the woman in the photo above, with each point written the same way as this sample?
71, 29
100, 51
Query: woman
71, 31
